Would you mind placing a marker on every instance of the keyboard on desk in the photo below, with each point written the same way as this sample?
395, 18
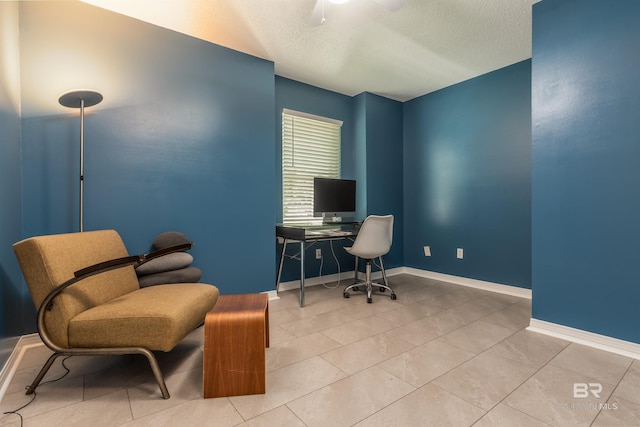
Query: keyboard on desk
340, 233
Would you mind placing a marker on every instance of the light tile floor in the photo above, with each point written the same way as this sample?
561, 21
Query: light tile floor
440, 354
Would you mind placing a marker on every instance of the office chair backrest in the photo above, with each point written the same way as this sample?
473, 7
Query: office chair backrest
374, 238
49, 261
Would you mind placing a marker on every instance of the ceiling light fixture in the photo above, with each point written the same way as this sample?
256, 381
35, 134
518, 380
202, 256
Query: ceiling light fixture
321, 4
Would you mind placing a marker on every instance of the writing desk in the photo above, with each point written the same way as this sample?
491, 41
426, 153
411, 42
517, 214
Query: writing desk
310, 233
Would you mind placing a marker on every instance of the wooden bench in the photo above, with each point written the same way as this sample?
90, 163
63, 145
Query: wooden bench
236, 333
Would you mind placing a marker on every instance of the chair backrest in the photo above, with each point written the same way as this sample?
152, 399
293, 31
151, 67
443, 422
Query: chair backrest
49, 261
374, 238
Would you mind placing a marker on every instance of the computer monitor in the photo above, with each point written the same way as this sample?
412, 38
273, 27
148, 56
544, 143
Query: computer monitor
334, 197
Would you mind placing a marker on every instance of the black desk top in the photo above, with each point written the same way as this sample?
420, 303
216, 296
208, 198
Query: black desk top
302, 232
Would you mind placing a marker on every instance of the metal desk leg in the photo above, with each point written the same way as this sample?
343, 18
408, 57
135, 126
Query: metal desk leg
284, 249
302, 273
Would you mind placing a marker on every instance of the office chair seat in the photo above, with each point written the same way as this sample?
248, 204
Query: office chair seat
373, 241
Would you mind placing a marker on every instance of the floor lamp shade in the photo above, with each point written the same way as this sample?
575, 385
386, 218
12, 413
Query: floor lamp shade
81, 99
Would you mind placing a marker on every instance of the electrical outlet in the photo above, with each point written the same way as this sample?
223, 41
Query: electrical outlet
460, 253
427, 251
318, 253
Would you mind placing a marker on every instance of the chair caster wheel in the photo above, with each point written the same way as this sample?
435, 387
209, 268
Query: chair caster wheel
355, 288
393, 296
382, 289
369, 300
346, 294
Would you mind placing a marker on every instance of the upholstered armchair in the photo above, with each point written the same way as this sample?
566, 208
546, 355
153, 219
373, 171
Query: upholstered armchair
89, 300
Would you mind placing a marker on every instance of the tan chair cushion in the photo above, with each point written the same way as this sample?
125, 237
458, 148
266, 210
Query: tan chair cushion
49, 261
156, 318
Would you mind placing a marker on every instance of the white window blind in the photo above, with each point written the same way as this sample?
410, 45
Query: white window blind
310, 148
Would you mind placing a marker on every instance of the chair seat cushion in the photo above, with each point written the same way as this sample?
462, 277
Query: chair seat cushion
156, 318
183, 275
169, 262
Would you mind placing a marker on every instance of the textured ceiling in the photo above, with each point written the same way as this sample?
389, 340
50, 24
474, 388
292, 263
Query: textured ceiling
422, 47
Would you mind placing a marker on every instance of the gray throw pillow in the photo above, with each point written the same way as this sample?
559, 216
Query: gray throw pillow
172, 261
168, 239
184, 275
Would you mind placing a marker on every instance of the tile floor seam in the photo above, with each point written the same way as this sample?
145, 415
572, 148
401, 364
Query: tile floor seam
476, 354
615, 387
560, 368
462, 398
129, 403
346, 375
515, 409
293, 412
389, 404
575, 344
235, 408
474, 357
512, 391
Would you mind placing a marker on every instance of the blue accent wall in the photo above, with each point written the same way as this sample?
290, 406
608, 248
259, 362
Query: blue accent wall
13, 296
302, 97
586, 100
371, 154
467, 178
192, 153
379, 156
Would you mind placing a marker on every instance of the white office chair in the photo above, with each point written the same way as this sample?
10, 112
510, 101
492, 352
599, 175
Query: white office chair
373, 240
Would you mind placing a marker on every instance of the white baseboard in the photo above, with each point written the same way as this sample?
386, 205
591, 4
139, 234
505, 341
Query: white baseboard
314, 281
9, 369
456, 280
590, 339
345, 276
390, 272
472, 283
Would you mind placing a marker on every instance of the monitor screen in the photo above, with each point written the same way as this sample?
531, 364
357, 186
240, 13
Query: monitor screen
334, 197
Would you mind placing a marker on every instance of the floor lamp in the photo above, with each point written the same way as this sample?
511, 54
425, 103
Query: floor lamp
81, 99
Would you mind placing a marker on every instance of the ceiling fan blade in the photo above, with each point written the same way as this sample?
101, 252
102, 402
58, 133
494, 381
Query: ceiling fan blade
317, 14
391, 5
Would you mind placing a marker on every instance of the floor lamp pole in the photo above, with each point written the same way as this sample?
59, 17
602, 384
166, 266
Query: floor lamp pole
81, 99
81, 165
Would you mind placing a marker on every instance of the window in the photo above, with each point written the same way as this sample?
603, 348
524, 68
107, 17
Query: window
310, 148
